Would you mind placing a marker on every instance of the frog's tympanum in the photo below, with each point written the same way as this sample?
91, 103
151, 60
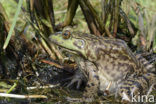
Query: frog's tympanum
108, 64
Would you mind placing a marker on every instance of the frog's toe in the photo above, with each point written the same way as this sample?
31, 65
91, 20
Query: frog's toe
78, 78
75, 80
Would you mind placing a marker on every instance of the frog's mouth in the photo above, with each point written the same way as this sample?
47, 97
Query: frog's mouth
70, 51
69, 45
58, 43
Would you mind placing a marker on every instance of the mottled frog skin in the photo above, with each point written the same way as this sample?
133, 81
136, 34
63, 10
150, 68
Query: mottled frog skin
108, 64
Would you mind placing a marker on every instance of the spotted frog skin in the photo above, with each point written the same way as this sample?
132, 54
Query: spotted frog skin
108, 64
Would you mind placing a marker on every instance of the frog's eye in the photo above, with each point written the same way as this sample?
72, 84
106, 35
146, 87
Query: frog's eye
66, 34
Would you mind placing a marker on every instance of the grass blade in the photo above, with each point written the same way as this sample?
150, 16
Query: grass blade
13, 24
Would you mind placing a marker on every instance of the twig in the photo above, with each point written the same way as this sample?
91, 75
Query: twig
52, 63
22, 96
44, 87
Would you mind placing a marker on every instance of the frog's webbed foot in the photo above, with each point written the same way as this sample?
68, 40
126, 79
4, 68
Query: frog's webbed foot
134, 87
78, 78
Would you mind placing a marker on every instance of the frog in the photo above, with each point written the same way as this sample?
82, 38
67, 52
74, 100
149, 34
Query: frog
108, 64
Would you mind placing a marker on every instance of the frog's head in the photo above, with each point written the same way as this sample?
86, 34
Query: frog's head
73, 41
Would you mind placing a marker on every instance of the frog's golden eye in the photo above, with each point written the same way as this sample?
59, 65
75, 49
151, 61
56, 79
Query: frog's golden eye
66, 34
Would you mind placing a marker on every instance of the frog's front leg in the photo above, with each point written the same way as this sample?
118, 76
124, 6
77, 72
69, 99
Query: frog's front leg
91, 72
92, 86
78, 78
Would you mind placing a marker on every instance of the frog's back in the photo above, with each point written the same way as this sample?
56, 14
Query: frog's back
116, 61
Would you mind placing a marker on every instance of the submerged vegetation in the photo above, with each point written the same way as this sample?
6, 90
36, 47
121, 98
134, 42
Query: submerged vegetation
34, 70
